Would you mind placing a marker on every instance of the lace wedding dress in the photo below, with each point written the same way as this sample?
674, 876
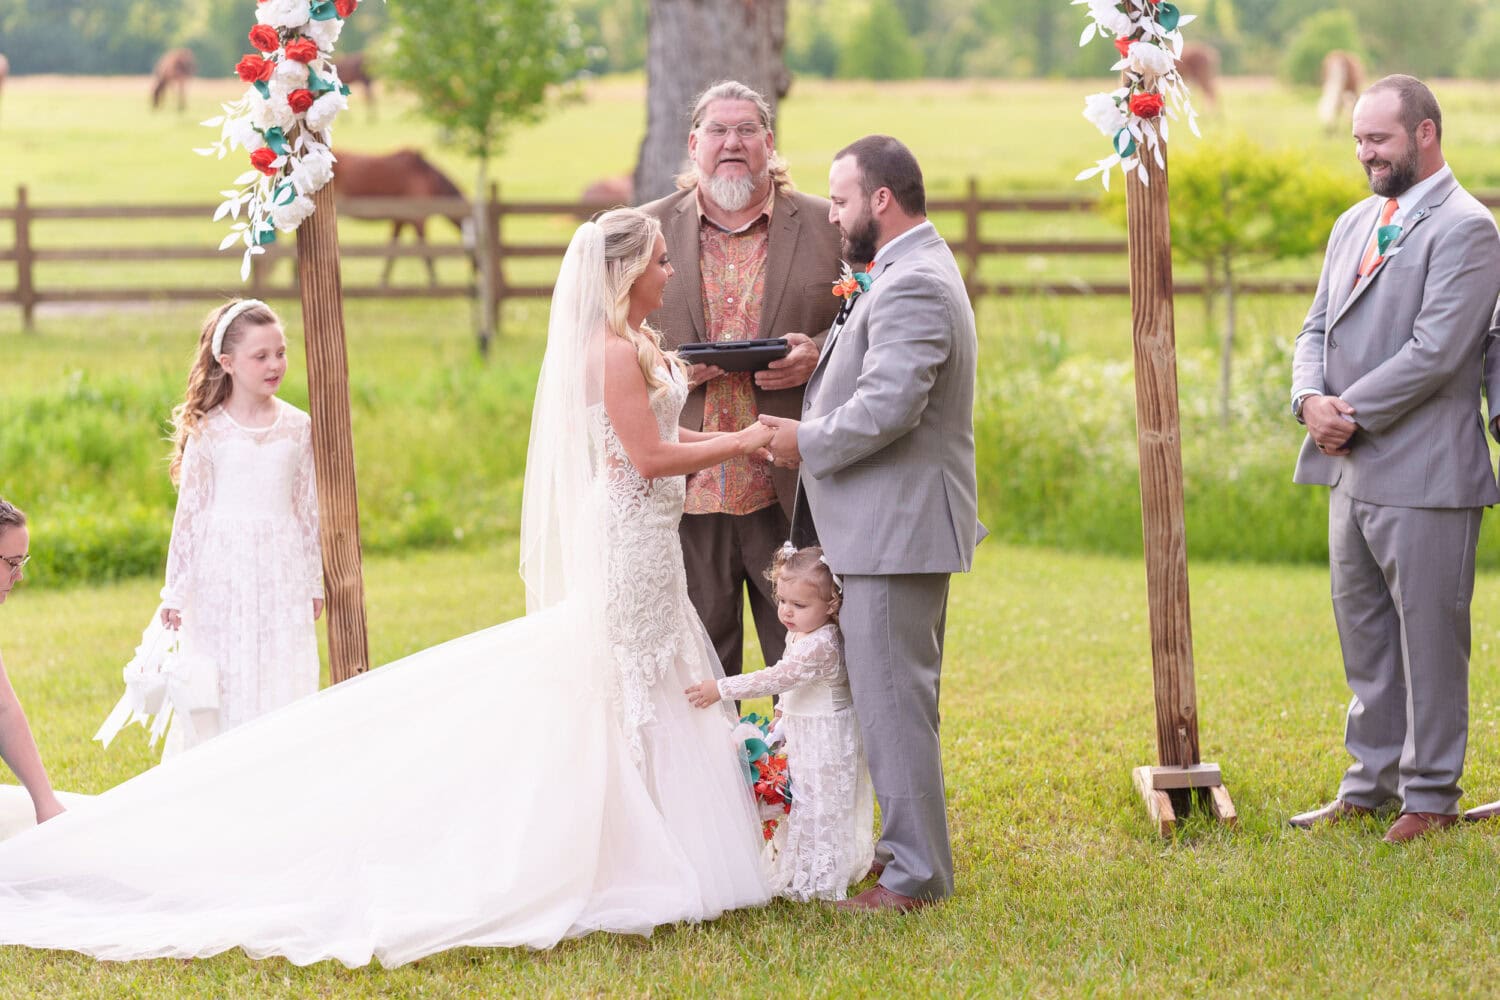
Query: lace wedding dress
244, 566
534, 781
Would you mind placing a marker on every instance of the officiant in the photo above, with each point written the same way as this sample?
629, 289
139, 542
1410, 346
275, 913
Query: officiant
754, 259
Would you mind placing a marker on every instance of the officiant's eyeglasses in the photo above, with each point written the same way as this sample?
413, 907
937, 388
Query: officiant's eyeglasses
745, 130
16, 563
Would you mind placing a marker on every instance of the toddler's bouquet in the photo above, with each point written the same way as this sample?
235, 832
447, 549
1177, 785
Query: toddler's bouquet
763, 759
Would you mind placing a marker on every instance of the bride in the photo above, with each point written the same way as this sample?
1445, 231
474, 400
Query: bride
534, 781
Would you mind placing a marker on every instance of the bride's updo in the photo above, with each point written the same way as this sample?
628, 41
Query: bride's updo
629, 237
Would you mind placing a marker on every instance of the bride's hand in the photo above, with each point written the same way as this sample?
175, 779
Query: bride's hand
754, 438
703, 694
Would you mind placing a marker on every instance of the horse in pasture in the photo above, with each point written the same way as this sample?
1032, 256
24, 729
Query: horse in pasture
174, 69
1199, 67
402, 174
609, 192
355, 68
1343, 79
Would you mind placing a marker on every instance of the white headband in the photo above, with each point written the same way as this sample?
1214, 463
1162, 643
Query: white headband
229, 316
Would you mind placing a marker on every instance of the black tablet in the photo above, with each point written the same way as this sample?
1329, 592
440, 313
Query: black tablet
735, 355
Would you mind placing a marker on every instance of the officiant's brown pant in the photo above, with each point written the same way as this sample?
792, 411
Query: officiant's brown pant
726, 556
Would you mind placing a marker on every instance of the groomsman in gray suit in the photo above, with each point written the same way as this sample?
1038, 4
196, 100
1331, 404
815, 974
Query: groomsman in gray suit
887, 486
1386, 376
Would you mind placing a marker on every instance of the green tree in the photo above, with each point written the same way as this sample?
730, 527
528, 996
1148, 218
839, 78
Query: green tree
1318, 36
881, 46
1482, 55
480, 70
1237, 206
1425, 46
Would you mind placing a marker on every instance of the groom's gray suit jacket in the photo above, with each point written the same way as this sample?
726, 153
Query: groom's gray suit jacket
887, 434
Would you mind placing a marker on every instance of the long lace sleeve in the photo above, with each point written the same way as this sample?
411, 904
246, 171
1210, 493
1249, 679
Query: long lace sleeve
815, 657
305, 508
195, 494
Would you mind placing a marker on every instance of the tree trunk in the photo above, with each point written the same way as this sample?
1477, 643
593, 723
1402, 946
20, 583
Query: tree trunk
691, 45
483, 261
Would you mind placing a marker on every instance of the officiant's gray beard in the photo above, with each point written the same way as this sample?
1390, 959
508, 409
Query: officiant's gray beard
732, 194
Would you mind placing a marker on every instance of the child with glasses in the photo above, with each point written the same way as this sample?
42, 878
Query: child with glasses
17, 746
244, 570
827, 842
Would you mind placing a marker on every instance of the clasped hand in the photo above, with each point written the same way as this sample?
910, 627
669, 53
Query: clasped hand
1330, 422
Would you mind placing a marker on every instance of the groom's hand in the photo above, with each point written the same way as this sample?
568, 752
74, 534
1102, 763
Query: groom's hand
783, 444
794, 369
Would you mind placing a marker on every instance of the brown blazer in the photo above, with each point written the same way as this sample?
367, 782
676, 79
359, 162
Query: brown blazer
802, 263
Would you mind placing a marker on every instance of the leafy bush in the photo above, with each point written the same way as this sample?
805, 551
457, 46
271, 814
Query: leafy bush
1482, 54
1319, 35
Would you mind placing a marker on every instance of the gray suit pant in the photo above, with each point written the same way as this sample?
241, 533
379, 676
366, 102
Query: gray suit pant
893, 647
1402, 580
726, 557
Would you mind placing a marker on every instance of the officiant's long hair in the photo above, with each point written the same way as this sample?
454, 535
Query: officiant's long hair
629, 237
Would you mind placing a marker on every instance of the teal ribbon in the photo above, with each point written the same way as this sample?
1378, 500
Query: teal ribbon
324, 10
284, 194
276, 140
265, 237
261, 89
316, 83
863, 279
1167, 16
1385, 236
1124, 143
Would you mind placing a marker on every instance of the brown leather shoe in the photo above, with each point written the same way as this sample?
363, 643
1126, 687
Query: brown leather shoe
1337, 811
1483, 812
878, 898
1410, 826
877, 869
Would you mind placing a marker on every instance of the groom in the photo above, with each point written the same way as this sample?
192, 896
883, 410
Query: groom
886, 448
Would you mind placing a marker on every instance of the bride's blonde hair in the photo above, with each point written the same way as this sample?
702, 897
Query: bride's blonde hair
629, 237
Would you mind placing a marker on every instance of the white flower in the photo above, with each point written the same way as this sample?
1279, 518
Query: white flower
265, 114
312, 170
1110, 17
289, 216
325, 109
1104, 111
325, 33
242, 132
283, 13
1150, 60
290, 75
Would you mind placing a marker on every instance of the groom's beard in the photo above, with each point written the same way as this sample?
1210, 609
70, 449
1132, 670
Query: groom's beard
859, 242
732, 194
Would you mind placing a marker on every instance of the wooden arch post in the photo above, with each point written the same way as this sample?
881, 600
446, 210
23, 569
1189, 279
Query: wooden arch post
333, 441
1170, 788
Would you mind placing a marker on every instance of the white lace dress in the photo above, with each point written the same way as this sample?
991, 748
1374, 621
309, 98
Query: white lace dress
506, 788
827, 842
245, 564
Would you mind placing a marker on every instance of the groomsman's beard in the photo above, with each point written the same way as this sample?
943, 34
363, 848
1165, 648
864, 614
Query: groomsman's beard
859, 242
732, 194
1400, 176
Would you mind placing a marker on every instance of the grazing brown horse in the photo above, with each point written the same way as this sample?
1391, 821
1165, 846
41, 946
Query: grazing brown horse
1343, 79
174, 69
609, 192
402, 174
1199, 67
355, 68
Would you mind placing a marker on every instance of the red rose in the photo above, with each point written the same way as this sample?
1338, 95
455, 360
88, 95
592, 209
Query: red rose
262, 159
300, 100
254, 67
303, 50
345, 7
265, 38
1122, 44
1145, 105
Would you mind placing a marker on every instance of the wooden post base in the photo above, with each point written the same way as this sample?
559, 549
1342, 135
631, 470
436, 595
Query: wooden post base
1159, 786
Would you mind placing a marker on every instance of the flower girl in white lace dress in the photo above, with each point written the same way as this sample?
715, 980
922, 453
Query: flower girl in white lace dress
827, 842
244, 571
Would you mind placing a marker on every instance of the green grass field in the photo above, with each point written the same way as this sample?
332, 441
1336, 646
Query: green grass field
1063, 888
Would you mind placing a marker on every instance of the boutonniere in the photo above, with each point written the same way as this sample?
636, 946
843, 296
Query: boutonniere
1384, 237
850, 284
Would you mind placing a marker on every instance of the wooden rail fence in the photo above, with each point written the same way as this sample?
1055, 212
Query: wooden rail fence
968, 241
